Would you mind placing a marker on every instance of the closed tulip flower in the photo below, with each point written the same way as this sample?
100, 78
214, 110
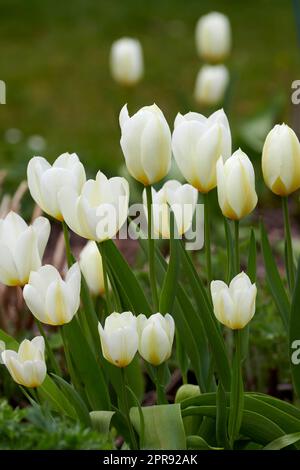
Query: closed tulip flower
146, 144
281, 160
156, 335
45, 181
2, 348
90, 262
234, 306
27, 366
211, 84
21, 248
99, 210
50, 299
119, 338
197, 143
181, 198
213, 37
236, 186
126, 61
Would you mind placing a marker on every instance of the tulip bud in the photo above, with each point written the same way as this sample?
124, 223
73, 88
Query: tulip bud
156, 335
146, 144
27, 366
211, 84
21, 248
2, 348
99, 210
45, 181
119, 338
181, 199
281, 160
126, 61
50, 299
90, 262
234, 306
197, 143
236, 186
213, 37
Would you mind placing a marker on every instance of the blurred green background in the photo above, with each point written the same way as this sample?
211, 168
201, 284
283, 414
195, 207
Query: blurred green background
54, 60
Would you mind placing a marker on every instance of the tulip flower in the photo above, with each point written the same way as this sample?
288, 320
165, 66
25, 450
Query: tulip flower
119, 338
211, 84
50, 299
45, 181
281, 160
236, 186
21, 248
99, 210
156, 335
197, 144
2, 348
90, 261
146, 144
126, 61
27, 366
181, 199
234, 306
213, 37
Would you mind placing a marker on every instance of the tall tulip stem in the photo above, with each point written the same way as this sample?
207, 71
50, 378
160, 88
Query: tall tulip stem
70, 259
290, 270
134, 445
105, 278
207, 237
151, 248
237, 246
51, 357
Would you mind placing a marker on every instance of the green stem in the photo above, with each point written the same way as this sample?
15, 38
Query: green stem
207, 237
290, 270
151, 248
70, 258
236, 391
134, 445
237, 246
229, 250
53, 362
105, 278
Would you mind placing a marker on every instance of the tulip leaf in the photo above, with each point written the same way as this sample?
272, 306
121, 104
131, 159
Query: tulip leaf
282, 442
273, 279
198, 443
221, 417
164, 428
101, 420
294, 334
236, 393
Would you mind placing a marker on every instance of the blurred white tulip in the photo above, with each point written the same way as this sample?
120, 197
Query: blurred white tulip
90, 261
37, 143
119, 338
21, 248
211, 84
197, 144
27, 366
234, 306
156, 335
50, 299
2, 348
146, 144
13, 135
126, 61
45, 181
213, 37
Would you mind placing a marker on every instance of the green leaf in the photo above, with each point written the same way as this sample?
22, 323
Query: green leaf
274, 280
198, 443
236, 393
101, 420
283, 441
294, 334
221, 417
163, 427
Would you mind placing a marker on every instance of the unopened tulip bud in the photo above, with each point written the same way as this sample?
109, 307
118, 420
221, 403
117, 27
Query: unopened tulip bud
90, 262
126, 61
156, 335
21, 248
281, 160
236, 186
234, 306
211, 84
50, 299
27, 366
146, 144
119, 338
213, 37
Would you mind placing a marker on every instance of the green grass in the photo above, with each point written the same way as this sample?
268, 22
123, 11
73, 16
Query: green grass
54, 60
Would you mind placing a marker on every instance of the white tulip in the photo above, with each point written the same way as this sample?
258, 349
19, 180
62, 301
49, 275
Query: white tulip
197, 144
27, 366
234, 306
213, 37
45, 181
211, 84
50, 299
146, 144
2, 348
126, 61
21, 248
181, 198
281, 160
99, 210
236, 186
119, 338
90, 262
156, 335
